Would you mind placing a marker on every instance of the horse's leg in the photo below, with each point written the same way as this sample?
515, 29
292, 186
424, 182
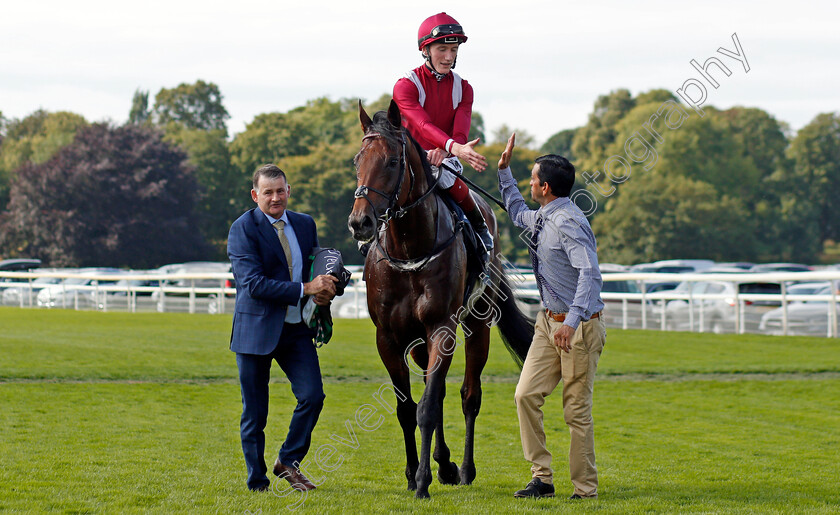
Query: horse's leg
447, 470
476, 349
429, 408
406, 407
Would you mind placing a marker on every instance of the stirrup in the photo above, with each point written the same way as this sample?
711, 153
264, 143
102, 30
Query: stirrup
486, 253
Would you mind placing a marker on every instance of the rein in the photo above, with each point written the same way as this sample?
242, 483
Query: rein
393, 211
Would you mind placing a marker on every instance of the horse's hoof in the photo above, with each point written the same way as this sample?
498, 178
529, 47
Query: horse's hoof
412, 485
467, 475
448, 474
421, 494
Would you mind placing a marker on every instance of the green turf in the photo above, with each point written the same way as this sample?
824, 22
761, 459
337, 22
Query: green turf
111, 413
71, 345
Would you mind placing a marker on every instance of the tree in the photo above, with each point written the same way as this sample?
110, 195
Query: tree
561, 144
139, 113
815, 152
323, 182
195, 106
655, 96
503, 132
114, 197
217, 204
34, 139
592, 140
668, 217
477, 128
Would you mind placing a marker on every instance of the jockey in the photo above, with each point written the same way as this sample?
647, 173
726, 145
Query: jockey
436, 108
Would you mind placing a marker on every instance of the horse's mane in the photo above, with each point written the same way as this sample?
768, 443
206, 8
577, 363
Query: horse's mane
383, 126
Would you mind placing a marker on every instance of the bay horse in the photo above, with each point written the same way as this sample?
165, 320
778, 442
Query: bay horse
416, 274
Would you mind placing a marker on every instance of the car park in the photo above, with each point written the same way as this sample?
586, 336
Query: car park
184, 294
21, 294
18, 265
669, 266
13, 283
742, 265
131, 293
673, 266
619, 311
80, 291
780, 267
717, 306
527, 296
804, 317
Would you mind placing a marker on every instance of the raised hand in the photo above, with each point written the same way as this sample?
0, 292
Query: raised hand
504, 160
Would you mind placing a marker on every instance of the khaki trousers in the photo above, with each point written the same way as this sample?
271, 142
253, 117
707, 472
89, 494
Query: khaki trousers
545, 365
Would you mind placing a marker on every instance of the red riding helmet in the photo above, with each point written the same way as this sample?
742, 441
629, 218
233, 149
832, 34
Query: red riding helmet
440, 27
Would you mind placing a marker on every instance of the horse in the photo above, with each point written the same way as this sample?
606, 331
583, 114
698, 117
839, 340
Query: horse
416, 274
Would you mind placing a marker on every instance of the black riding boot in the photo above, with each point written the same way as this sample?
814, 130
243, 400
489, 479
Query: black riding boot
477, 220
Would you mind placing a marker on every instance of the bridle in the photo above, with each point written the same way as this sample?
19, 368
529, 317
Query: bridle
393, 211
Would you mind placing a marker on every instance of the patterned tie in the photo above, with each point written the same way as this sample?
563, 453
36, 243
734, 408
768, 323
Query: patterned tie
284, 242
535, 238
535, 262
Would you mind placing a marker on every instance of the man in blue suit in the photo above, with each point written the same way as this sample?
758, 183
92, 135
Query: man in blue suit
268, 247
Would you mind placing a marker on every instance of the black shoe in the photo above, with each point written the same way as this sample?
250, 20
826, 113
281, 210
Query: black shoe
575, 497
536, 488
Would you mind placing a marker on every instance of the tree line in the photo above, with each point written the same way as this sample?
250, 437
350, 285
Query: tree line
657, 181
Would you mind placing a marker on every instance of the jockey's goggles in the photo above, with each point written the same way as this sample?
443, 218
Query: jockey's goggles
450, 31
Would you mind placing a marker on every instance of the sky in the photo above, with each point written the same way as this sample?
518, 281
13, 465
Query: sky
535, 66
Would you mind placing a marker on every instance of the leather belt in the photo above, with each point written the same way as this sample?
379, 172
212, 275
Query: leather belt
561, 317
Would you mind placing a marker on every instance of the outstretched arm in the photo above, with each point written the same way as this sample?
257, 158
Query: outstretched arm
519, 213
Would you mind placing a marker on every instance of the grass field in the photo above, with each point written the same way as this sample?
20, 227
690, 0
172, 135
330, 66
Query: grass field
106, 412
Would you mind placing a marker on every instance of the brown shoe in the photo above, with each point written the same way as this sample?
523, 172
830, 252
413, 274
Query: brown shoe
294, 476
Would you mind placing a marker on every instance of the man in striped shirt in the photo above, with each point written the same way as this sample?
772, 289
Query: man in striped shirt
570, 333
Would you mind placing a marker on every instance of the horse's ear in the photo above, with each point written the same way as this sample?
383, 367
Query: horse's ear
394, 114
364, 118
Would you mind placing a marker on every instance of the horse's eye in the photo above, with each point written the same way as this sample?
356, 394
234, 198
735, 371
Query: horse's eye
393, 162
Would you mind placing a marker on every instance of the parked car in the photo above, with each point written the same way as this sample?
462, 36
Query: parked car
669, 266
808, 317
12, 294
15, 265
780, 267
743, 265
674, 266
18, 265
527, 297
717, 314
77, 291
179, 298
614, 309
528, 300
139, 287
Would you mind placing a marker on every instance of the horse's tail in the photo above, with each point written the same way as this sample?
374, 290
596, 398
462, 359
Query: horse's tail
517, 330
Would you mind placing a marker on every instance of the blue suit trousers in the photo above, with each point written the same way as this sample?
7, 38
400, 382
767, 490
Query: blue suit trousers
298, 359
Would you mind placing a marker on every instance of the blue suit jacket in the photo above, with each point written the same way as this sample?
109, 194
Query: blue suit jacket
264, 288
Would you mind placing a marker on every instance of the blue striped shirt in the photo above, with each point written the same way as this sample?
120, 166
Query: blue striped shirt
293, 314
566, 250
